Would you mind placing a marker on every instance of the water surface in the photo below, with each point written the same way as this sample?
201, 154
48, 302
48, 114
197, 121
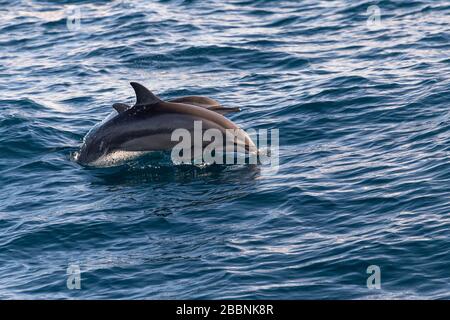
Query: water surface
364, 176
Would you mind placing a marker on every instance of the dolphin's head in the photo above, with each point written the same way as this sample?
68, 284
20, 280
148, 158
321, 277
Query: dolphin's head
92, 149
95, 144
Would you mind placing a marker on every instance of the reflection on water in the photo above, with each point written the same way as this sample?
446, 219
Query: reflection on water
364, 135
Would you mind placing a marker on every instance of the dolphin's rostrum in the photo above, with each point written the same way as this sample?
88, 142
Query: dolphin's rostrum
149, 124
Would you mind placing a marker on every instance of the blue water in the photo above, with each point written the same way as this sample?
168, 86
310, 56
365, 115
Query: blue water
364, 176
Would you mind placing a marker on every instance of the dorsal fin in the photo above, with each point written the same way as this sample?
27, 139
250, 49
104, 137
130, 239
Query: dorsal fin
143, 95
200, 101
121, 107
224, 111
205, 102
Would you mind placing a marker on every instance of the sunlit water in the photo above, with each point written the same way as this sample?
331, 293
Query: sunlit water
362, 107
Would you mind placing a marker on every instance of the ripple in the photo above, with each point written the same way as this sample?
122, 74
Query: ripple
364, 146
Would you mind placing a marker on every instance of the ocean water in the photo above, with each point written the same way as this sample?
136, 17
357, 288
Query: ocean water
359, 92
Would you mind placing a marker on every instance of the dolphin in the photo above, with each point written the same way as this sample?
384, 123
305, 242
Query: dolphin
131, 131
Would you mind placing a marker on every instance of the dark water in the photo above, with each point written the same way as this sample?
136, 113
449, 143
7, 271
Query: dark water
364, 176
